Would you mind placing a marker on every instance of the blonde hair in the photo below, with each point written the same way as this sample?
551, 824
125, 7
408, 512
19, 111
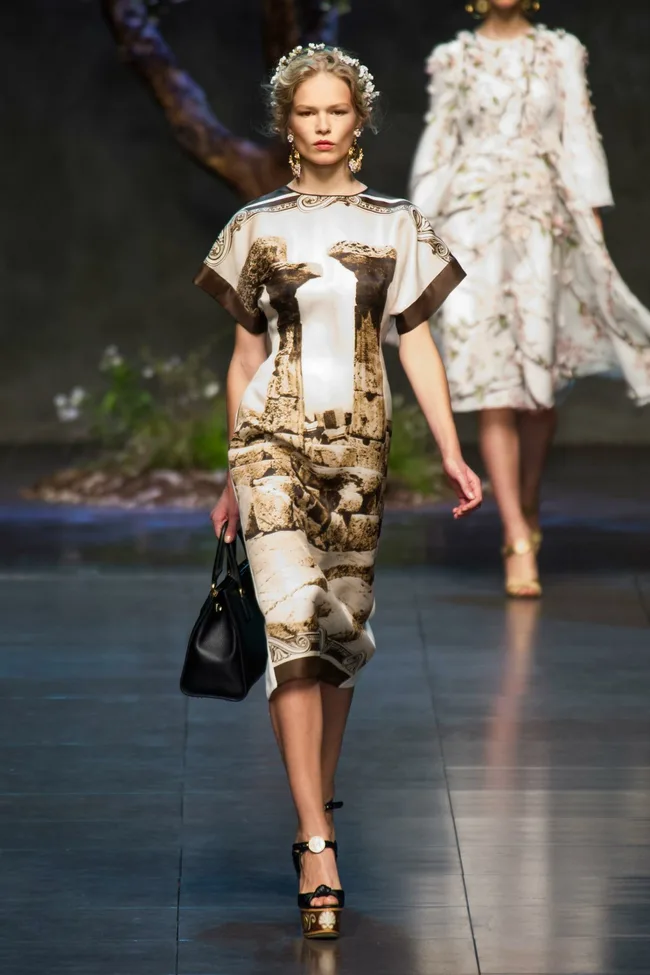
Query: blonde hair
303, 63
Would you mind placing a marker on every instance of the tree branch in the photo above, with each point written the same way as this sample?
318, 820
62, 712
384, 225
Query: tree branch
280, 30
249, 169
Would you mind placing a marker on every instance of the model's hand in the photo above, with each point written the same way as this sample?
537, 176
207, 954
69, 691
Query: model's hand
465, 483
226, 510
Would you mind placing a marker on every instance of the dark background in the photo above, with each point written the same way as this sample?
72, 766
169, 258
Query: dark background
105, 220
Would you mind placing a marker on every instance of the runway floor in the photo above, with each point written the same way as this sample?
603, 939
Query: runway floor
496, 773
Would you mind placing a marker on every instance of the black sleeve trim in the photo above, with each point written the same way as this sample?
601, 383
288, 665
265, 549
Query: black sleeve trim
219, 289
431, 298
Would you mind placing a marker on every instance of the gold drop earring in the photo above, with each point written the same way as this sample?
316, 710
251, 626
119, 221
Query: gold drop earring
478, 9
355, 154
294, 157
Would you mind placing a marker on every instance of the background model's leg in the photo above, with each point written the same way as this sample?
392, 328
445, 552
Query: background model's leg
499, 438
536, 432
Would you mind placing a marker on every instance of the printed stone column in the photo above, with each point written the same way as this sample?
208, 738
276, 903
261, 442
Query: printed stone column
373, 268
285, 407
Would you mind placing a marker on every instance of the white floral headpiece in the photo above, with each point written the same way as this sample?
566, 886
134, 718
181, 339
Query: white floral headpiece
366, 80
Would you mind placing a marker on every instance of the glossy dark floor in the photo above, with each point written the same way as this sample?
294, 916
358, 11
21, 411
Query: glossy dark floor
496, 774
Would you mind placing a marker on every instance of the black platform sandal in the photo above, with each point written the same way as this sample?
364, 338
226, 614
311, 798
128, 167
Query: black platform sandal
319, 922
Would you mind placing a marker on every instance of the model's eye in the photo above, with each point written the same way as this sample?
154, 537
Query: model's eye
340, 111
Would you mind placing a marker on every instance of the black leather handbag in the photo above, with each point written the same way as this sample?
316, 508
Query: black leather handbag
227, 649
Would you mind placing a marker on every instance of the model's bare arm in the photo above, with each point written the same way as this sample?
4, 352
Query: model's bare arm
599, 219
426, 374
249, 353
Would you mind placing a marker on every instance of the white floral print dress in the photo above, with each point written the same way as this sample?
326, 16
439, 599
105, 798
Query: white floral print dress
326, 278
509, 168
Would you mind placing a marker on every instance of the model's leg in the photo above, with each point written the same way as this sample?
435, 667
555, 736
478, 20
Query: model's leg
336, 707
297, 716
336, 704
499, 438
276, 731
536, 432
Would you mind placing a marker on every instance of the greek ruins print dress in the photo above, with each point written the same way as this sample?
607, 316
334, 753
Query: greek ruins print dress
325, 277
508, 169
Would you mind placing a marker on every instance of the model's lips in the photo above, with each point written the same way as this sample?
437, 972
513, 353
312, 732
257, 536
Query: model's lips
324, 145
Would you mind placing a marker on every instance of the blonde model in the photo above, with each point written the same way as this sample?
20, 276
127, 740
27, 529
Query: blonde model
511, 170
315, 274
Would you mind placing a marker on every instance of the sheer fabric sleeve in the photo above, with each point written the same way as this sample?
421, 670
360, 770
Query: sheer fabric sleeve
585, 161
432, 164
425, 272
231, 273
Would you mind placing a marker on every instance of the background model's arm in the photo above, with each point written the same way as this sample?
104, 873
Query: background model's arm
438, 145
585, 160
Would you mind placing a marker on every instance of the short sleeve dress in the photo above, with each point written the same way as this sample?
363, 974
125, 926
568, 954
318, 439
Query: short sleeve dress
326, 277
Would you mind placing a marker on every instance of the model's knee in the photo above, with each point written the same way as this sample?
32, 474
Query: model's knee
293, 688
544, 413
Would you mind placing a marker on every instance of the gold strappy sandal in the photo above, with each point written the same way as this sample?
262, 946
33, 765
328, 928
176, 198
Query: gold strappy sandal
521, 588
536, 536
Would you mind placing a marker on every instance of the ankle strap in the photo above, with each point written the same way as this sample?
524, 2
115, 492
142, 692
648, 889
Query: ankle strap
304, 847
331, 805
520, 546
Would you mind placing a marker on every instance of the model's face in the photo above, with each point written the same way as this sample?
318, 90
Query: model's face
323, 119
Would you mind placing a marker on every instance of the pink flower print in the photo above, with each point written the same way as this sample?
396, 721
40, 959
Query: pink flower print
558, 226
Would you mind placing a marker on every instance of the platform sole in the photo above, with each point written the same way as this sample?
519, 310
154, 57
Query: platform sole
321, 922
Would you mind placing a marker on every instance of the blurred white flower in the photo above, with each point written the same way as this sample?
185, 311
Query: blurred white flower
148, 372
110, 358
173, 363
68, 413
77, 396
211, 390
66, 410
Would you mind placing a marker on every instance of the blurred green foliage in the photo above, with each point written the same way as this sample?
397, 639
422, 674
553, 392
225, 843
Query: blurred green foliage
170, 414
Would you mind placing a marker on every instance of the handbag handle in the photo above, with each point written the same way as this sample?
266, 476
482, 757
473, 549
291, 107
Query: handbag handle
229, 562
